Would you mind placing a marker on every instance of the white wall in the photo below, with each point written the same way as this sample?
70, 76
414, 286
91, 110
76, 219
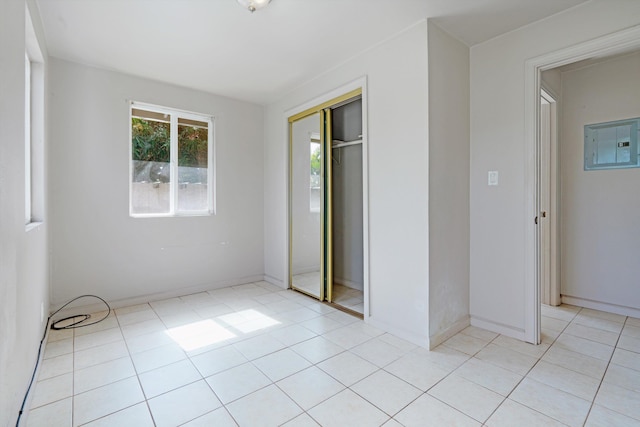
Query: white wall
499, 219
552, 81
23, 254
448, 185
348, 255
96, 247
396, 74
600, 234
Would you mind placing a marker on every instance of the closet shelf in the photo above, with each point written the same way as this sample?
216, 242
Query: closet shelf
339, 144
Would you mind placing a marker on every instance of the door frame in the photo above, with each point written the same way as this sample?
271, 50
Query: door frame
327, 100
609, 44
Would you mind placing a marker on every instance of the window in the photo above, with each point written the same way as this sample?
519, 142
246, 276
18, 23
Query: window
315, 162
171, 162
27, 139
34, 137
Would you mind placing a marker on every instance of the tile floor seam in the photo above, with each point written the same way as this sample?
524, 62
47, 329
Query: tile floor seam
458, 410
153, 420
397, 412
144, 394
107, 415
592, 401
230, 414
480, 385
297, 404
504, 398
604, 374
222, 405
589, 339
73, 378
476, 353
448, 355
527, 374
573, 370
449, 374
446, 376
265, 386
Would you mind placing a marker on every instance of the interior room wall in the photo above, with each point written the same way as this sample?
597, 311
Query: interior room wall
498, 213
600, 234
24, 269
396, 97
448, 185
348, 252
96, 246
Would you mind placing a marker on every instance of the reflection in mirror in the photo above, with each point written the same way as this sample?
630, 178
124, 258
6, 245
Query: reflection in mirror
306, 200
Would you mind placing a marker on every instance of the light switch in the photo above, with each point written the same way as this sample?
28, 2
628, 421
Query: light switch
493, 178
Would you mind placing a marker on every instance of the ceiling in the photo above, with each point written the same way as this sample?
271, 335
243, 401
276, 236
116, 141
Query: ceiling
219, 47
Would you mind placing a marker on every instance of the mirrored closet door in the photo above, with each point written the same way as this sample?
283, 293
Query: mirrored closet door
326, 202
306, 205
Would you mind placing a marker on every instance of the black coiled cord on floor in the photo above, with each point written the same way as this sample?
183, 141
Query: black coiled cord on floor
55, 325
84, 317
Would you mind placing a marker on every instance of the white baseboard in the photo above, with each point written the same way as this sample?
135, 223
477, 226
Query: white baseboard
274, 281
420, 340
440, 337
305, 270
348, 283
498, 328
602, 306
142, 299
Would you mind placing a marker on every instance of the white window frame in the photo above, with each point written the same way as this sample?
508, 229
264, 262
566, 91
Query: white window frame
34, 128
173, 163
27, 139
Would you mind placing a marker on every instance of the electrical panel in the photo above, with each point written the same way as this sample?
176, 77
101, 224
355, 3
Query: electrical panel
611, 145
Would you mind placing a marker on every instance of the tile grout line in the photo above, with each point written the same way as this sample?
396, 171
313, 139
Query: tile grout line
593, 402
73, 376
135, 369
529, 371
450, 373
378, 368
272, 382
482, 423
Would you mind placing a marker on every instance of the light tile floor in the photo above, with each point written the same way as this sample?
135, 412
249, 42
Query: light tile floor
308, 282
347, 297
256, 355
350, 298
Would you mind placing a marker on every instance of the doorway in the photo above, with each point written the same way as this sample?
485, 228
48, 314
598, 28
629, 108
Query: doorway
549, 199
534, 244
326, 202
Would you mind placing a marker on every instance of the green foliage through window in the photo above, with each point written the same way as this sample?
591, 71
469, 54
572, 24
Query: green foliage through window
315, 161
151, 140
192, 146
171, 171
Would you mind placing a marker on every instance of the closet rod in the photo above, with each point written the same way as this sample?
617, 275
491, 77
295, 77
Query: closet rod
339, 144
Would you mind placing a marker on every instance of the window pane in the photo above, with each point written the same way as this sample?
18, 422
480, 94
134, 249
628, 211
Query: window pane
151, 142
193, 159
27, 140
314, 177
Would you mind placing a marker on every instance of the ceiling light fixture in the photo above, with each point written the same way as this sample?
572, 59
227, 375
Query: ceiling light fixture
253, 5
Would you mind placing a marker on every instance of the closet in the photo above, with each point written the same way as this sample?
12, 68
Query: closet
326, 215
